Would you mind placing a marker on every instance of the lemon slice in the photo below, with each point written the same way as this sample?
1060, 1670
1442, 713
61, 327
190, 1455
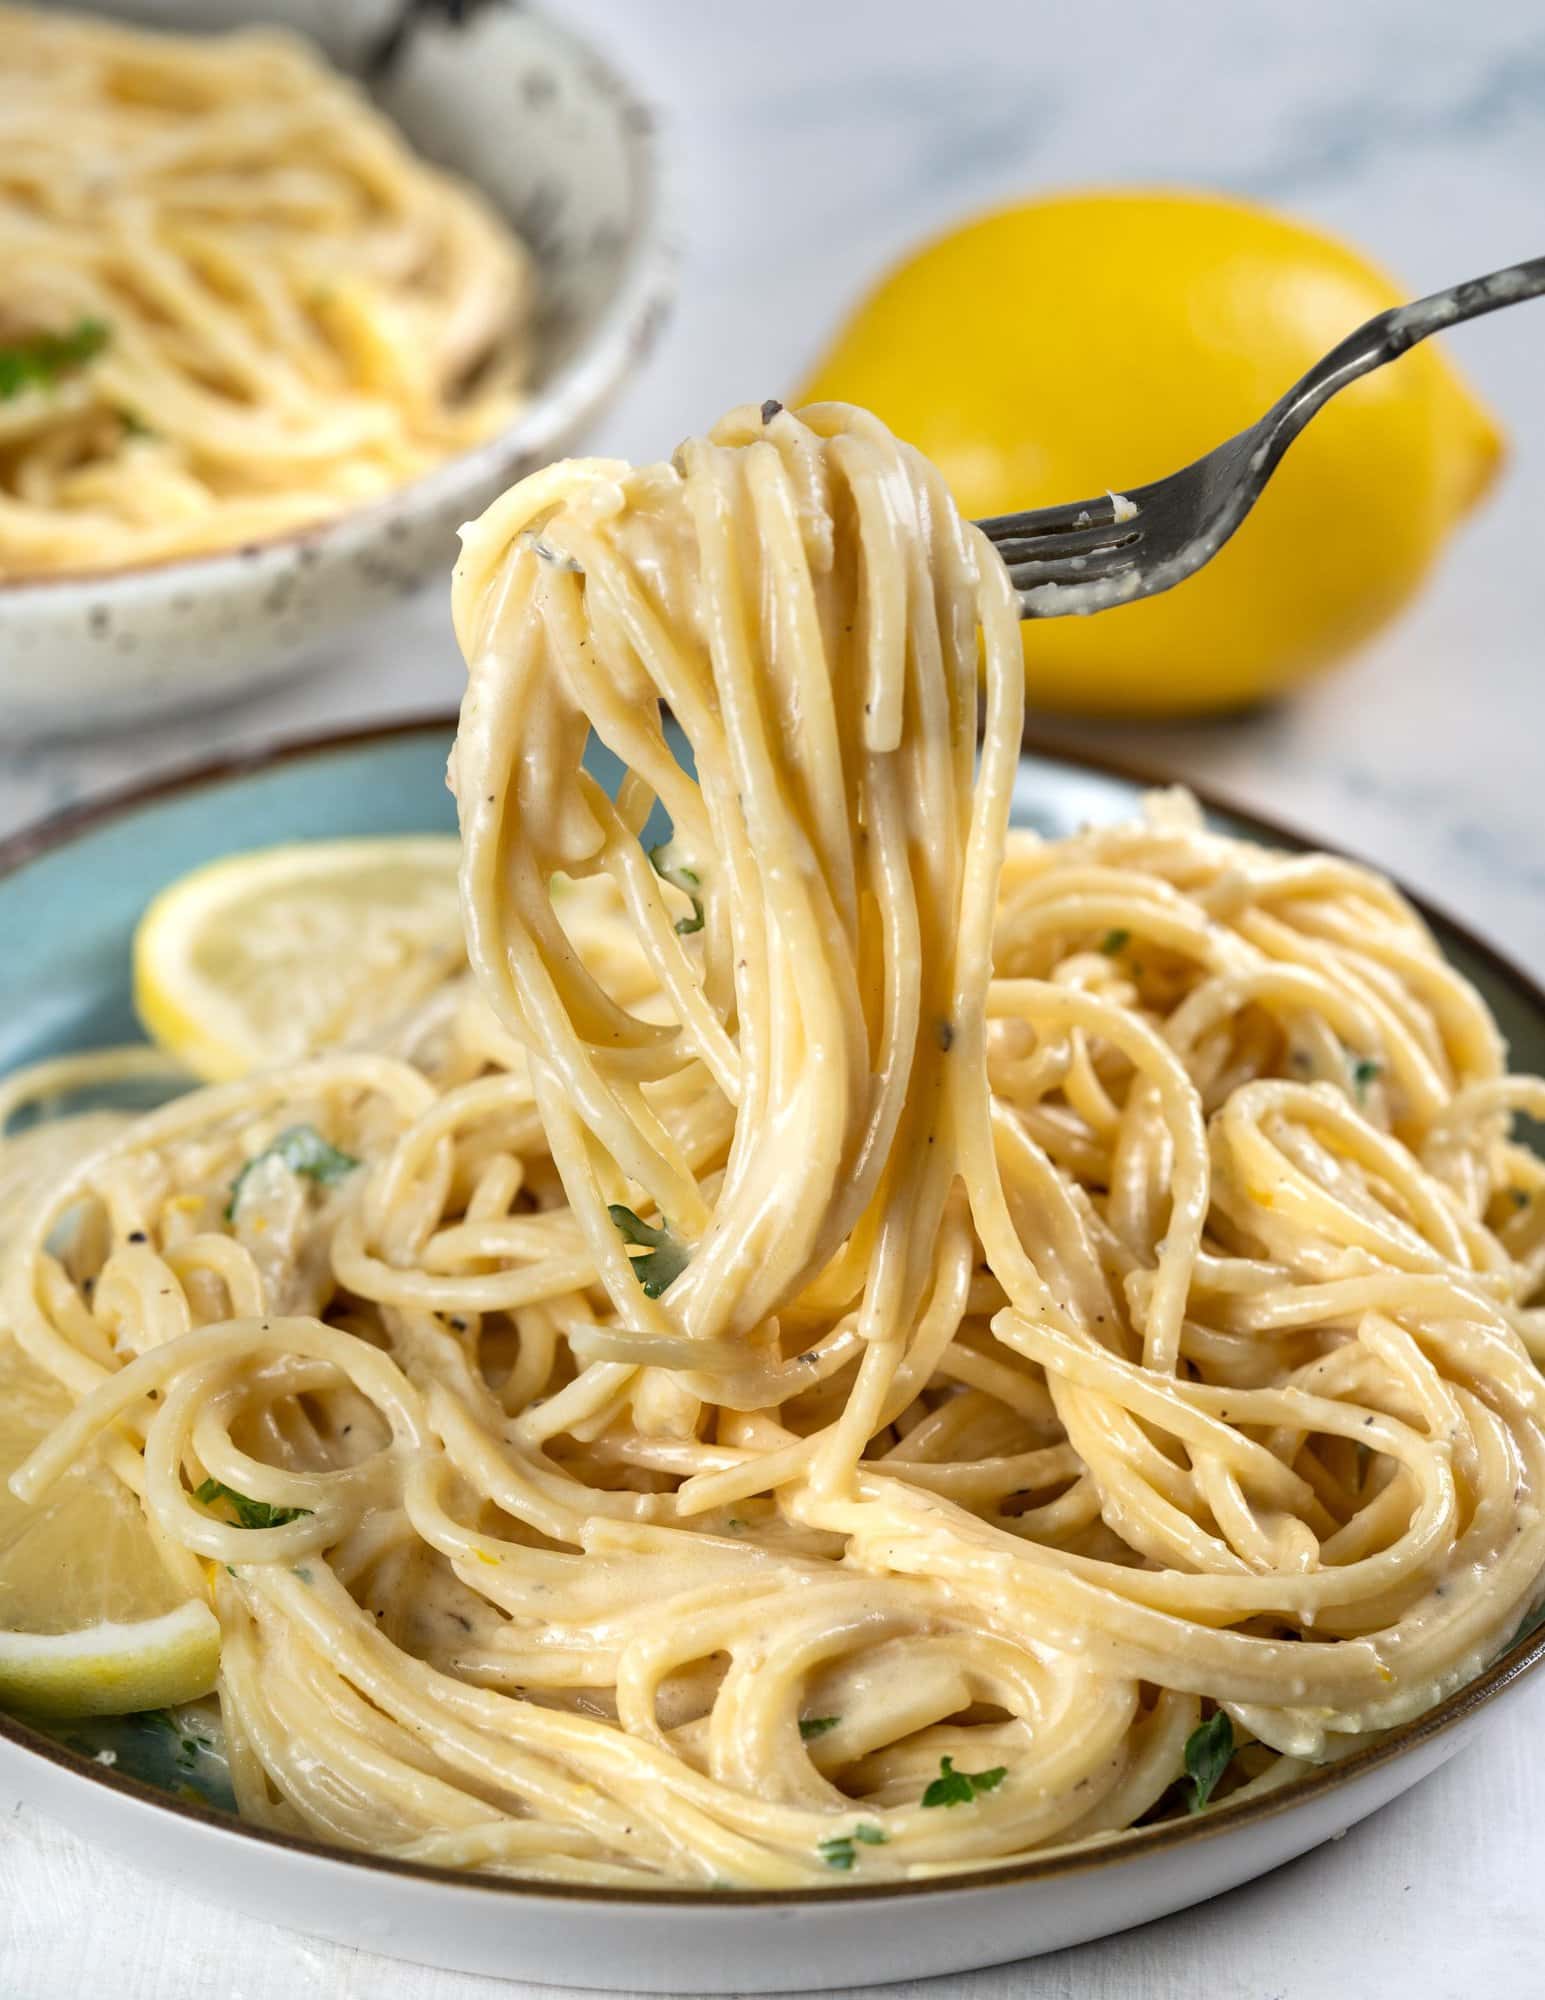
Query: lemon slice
112, 1669
266, 957
91, 1622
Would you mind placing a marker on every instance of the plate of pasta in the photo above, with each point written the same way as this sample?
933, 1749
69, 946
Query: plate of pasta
292, 291
840, 1347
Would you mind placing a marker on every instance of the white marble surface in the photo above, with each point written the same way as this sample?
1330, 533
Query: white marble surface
813, 139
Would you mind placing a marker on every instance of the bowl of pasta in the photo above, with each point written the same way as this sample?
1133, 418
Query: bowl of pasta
746, 1357
292, 291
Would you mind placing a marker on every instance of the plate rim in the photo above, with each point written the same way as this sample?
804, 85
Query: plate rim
32, 843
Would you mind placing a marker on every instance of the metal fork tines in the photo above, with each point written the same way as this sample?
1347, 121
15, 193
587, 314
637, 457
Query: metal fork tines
1095, 553
1090, 542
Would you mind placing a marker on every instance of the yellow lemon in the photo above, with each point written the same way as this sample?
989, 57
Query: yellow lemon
1096, 341
91, 1620
266, 957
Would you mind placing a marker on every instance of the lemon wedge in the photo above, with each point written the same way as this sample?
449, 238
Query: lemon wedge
265, 957
112, 1669
91, 1621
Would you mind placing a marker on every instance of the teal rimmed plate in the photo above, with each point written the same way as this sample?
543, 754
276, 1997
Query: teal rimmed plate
70, 894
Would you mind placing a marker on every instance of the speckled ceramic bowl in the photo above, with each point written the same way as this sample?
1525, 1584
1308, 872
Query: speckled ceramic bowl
540, 122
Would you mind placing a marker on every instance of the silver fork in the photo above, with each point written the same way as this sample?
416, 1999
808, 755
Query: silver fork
1069, 561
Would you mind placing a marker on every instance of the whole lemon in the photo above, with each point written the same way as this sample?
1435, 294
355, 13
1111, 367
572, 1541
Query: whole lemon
1052, 350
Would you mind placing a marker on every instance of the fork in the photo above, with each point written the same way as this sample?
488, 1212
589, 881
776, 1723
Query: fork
1073, 560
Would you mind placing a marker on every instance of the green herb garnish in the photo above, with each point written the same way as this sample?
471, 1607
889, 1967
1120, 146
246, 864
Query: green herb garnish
667, 1258
686, 880
959, 1788
304, 1151
188, 1744
1114, 941
1520, 1196
37, 360
839, 1851
249, 1513
1365, 1070
1209, 1751
134, 426
817, 1725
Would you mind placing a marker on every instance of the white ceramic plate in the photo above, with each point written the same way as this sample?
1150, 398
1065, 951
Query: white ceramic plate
536, 118
73, 892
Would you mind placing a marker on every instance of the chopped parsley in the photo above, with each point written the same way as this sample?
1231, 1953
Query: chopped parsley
667, 1257
249, 1513
1114, 941
304, 1151
1520, 1197
1209, 1751
687, 880
839, 1851
36, 361
817, 1725
959, 1788
1365, 1070
189, 1743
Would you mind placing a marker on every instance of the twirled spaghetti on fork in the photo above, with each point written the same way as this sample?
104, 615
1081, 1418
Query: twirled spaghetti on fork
847, 1340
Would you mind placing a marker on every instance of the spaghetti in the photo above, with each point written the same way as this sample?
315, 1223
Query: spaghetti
235, 301
860, 1343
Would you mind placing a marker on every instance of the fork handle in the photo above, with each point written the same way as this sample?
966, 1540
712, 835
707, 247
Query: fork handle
1386, 337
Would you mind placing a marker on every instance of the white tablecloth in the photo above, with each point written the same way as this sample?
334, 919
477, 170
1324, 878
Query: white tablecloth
813, 140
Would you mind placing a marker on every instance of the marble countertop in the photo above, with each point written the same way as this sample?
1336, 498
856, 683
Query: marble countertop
812, 141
